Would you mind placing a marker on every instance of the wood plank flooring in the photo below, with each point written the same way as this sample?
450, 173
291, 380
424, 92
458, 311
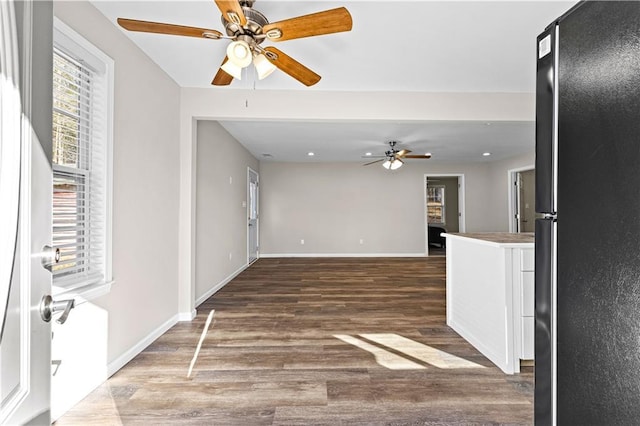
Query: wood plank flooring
316, 341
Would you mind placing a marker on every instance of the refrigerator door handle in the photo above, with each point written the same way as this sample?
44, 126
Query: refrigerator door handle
545, 122
544, 321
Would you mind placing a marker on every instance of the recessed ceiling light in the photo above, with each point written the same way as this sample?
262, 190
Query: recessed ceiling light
311, 154
486, 154
368, 154
488, 124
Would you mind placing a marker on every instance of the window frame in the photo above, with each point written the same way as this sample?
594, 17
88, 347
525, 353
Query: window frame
441, 205
72, 44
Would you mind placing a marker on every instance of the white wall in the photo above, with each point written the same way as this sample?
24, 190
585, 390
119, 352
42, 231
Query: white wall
143, 299
333, 206
501, 186
221, 216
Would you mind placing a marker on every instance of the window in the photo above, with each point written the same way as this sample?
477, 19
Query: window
435, 205
81, 159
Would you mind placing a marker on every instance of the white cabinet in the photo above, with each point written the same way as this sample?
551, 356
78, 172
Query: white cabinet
527, 257
491, 295
528, 294
528, 337
527, 305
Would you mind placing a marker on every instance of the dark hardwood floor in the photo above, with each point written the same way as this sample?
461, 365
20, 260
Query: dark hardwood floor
316, 341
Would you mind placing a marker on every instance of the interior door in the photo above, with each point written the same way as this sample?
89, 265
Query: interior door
253, 190
519, 198
25, 196
523, 195
527, 200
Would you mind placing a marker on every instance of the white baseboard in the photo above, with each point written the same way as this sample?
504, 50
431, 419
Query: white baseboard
187, 316
221, 284
123, 359
275, 255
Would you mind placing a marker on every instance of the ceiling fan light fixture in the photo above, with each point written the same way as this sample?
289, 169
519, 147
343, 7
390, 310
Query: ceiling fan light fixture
239, 53
263, 66
392, 163
232, 69
396, 164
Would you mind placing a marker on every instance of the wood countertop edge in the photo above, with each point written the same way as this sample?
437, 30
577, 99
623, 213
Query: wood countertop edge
490, 239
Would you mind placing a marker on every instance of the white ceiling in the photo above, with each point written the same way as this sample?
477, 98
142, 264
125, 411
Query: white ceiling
395, 46
447, 141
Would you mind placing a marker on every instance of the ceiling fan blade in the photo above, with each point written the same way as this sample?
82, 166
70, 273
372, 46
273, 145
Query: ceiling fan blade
292, 67
232, 11
403, 153
222, 78
425, 157
327, 22
171, 29
374, 162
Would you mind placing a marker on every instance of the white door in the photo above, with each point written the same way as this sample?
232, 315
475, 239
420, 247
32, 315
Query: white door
25, 220
253, 190
519, 209
524, 201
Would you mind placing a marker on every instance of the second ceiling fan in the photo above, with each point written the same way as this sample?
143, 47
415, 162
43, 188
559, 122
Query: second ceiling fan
392, 158
248, 29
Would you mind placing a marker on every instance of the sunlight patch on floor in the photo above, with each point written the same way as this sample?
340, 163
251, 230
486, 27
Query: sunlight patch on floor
199, 346
403, 353
383, 357
420, 351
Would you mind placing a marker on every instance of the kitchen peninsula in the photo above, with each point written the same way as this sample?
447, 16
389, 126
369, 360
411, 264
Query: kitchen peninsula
490, 294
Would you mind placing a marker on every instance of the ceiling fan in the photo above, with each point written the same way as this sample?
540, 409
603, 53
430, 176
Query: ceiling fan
248, 28
392, 158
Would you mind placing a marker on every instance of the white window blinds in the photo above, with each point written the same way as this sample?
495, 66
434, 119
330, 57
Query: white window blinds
79, 173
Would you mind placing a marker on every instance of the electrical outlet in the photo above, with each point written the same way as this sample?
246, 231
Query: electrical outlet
230, 255
361, 241
230, 180
302, 242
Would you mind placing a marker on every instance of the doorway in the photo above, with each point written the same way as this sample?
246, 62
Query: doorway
253, 194
522, 195
444, 210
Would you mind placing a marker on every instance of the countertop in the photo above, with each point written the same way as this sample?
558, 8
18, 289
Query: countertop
500, 238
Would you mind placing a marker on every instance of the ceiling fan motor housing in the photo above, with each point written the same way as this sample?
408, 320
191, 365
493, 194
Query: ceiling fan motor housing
255, 22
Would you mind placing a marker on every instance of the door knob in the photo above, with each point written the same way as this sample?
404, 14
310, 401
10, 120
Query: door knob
48, 307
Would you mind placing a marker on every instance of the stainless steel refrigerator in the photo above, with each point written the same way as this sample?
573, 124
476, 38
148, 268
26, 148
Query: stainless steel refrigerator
587, 337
